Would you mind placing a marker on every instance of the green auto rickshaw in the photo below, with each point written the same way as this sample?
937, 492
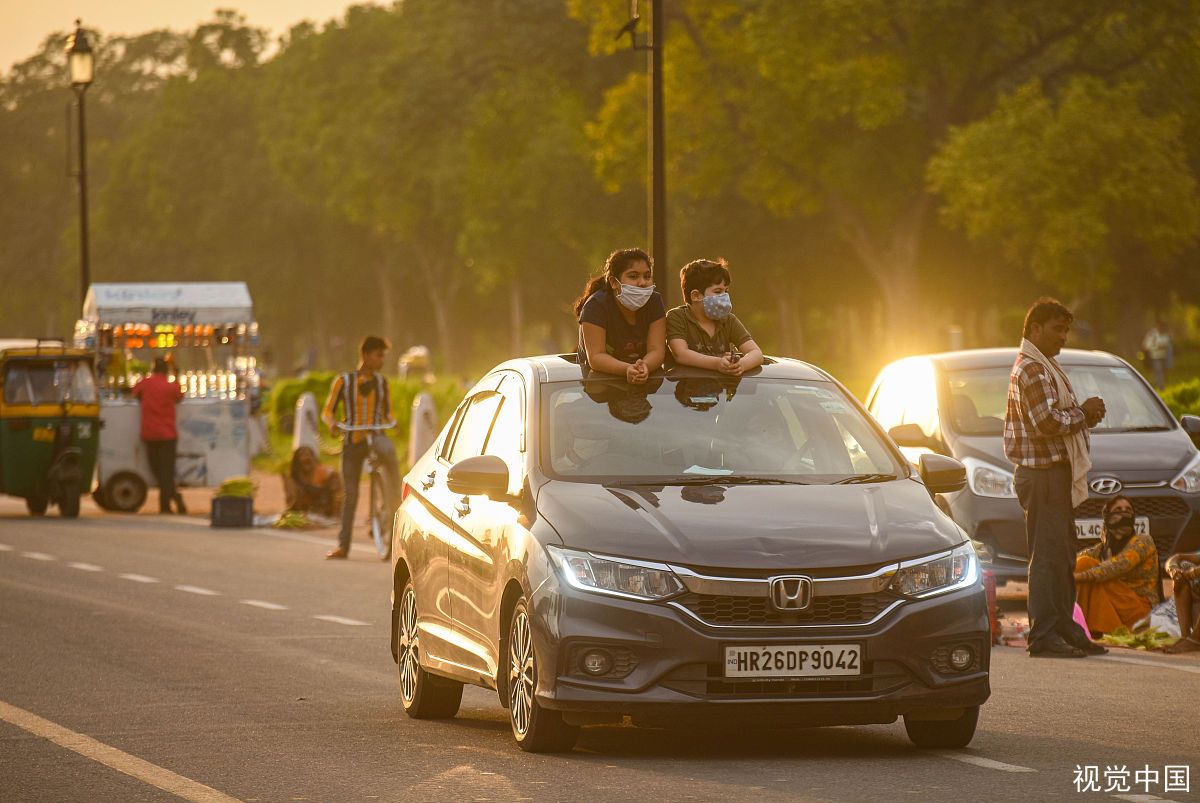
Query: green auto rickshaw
49, 424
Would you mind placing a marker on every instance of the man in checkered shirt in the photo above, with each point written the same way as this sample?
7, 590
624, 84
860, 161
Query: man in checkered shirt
1043, 429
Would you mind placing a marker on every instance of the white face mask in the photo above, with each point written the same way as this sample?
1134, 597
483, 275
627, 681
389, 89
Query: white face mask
633, 297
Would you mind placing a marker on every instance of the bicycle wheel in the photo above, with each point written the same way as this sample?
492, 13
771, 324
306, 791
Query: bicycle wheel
381, 513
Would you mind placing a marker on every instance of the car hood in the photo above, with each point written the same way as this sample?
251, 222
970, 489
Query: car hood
751, 526
1131, 456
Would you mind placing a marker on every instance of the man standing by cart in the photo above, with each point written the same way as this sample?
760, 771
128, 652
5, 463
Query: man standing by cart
365, 400
159, 396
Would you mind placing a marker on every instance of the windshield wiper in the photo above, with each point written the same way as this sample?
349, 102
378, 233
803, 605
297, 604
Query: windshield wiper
1152, 428
859, 479
714, 479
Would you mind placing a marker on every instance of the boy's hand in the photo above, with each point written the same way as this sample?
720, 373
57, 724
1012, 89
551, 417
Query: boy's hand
729, 366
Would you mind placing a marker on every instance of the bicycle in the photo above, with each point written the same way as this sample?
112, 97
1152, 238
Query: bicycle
381, 505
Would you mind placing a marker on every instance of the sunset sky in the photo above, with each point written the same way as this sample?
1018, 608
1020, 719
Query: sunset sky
25, 23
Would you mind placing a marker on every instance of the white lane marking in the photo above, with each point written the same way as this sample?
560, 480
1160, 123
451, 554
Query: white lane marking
133, 766
5, 548
1195, 670
38, 556
980, 761
204, 592
86, 567
306, 539
340, 620
266, 606
1141, 798
138, 578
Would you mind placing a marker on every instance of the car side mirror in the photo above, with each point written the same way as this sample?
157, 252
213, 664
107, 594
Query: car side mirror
1191, 425
941, 474
911, 435
485, 475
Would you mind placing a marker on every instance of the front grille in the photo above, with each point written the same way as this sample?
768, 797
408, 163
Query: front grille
1152, 506
847, 609
707, 680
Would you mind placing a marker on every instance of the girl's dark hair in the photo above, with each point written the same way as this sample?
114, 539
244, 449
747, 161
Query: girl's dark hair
1109, 505
614, 266
297, 471
701, 274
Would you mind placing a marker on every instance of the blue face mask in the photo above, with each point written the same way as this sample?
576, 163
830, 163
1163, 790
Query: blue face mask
718, 306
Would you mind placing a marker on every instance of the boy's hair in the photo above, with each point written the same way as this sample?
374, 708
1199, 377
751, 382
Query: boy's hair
160, 366
701, 274
373, 343
1043, 310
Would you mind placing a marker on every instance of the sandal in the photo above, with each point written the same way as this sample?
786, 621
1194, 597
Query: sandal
1187, 644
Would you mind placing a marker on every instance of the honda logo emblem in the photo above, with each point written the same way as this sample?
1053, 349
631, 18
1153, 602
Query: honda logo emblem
791, 593
1106, 485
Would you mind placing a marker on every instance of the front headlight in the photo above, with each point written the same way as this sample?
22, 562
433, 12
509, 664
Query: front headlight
1189, 480
984, 479
929, 577
617, 577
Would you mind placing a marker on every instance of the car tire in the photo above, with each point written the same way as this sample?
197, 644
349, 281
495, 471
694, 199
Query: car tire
37, 504
424, 696
536, 729
944, 733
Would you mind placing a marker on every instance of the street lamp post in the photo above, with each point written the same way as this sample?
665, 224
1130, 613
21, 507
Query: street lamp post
658, 172
81, 64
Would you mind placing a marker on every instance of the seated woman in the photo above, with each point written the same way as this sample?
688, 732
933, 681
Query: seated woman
312, 487
1116, 580
622, 319
1184, 570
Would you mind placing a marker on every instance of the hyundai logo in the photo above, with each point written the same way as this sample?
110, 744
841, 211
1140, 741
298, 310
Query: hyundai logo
1106, 485
791, 593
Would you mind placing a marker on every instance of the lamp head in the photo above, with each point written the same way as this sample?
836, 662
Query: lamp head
80, 58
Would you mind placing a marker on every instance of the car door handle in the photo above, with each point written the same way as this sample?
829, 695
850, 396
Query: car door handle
427, 483
463, 507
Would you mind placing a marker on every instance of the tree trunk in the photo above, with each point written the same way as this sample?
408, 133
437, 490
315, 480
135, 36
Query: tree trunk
516, 317
893, 265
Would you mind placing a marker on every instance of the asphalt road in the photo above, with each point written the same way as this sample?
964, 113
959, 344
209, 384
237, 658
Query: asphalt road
198, 660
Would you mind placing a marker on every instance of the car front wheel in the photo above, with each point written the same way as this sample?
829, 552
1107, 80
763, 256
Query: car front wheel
536, 729
424, 696
944, 733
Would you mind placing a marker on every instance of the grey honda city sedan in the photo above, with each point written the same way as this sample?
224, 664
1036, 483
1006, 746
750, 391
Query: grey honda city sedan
953, 404
695, 550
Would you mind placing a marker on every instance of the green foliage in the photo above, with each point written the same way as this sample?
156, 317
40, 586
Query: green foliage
1183, 398
284, 393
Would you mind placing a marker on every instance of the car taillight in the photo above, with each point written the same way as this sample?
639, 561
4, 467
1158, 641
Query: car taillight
404, 489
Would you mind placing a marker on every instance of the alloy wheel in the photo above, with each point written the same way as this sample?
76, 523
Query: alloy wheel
522, 674
409, 646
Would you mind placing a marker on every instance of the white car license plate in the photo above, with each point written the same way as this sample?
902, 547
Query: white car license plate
1090, 529
810, 660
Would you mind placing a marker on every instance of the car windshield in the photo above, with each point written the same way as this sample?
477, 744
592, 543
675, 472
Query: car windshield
693, 430
978, 398
49, 382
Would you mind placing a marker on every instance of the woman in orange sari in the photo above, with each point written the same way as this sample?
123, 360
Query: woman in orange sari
1116, 580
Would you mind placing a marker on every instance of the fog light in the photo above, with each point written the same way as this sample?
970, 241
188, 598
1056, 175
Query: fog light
962, 657
597, 662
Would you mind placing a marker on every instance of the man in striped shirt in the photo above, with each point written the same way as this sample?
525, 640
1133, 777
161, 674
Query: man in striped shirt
364, 397
1046, 436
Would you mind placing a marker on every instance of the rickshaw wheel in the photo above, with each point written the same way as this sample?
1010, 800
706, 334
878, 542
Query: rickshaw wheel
68, 506
37, 504
125, 492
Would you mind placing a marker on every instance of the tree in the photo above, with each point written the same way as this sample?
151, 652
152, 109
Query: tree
838, 108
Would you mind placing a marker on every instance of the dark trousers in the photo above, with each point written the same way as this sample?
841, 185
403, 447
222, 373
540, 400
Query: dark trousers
353, 457
161, 455
1045, 495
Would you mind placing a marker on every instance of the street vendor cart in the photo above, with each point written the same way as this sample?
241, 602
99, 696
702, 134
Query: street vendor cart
208, 335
